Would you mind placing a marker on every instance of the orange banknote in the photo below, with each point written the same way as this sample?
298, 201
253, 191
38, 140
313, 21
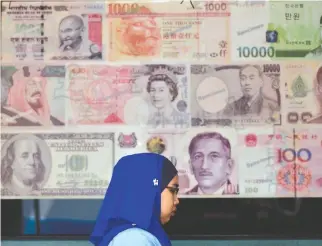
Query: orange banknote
168, 30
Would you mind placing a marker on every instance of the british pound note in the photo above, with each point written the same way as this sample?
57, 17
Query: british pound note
207, 162
31, 95
235, 94
307, 157
56, 165
154, 95
52, 31
303, 93
260, 163
295, 29
168, 30
248, 26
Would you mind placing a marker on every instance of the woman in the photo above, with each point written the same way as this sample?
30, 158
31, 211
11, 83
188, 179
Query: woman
141, 197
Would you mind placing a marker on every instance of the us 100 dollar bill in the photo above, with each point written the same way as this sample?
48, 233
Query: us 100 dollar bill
56, 165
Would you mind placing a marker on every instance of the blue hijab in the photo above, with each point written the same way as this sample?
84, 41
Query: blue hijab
134, 197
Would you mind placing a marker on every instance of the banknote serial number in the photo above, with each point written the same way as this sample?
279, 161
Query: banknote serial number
73, 192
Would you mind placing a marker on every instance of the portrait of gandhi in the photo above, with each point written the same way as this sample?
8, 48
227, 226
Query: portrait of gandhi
71, 30
211, 162
22, 167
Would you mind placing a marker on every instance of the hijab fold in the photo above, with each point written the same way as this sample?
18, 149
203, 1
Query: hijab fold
133, 198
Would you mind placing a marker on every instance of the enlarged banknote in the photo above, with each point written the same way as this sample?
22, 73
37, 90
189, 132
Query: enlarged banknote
56, 165
168, 30
52, 30
307, 157
235, 94
30, 95
261, 169
302, 102
295, 29
208, 163
153, 95
249, 29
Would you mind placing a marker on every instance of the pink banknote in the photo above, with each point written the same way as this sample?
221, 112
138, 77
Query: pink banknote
149, 95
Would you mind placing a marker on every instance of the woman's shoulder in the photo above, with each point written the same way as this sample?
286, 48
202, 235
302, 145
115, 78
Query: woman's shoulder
134, 236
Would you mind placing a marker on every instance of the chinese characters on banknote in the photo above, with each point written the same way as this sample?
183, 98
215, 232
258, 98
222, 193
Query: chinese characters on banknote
229, 91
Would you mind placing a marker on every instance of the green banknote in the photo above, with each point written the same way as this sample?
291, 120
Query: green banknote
295, 29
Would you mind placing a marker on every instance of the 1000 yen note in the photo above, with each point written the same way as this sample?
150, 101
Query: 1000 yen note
52, 30
154, 95
302, 102
56, 165
31, 95
168, 30
295, 29
246, 94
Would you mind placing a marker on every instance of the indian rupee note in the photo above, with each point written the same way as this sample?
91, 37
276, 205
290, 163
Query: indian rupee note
154, 95
30, 95
295, 29
248, 27
168, 30
307, 156
52, 30
302, 102
259, 165
254, 88
56, 165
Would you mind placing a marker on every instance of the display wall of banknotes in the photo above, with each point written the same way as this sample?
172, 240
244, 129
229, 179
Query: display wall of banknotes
229, 91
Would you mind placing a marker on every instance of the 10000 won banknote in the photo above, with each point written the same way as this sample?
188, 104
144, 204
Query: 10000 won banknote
60, 165
168, 30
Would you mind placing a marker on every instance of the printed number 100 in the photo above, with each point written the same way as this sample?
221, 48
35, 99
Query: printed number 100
256, 52
291, 155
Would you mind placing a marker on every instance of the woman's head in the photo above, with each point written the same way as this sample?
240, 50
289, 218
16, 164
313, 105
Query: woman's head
170, 189
162, 89
142, 192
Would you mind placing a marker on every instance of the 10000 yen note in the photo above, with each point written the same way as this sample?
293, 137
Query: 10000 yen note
57, 165
302, 100
295, 29
31, 95
168, 30
308, 162
246, 94
52, 30
153, 95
